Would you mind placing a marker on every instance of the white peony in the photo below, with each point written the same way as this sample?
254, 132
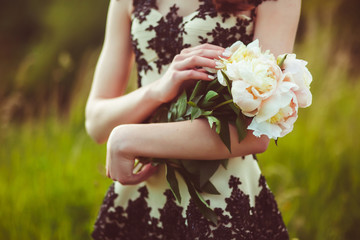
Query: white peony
278, 114
295, 70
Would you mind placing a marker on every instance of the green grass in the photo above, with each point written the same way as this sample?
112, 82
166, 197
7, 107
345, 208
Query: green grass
51, 181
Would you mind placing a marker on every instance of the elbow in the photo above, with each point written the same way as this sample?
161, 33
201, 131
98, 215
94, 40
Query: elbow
93, 131
93, 127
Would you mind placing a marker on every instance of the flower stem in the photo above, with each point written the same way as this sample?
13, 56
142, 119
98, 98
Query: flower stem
223, 103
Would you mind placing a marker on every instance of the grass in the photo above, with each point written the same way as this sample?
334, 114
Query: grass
51, 181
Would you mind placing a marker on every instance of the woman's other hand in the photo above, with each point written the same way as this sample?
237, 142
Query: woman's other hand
120, 161
186, 66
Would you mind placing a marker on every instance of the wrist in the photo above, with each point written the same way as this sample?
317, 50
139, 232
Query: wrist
154, 93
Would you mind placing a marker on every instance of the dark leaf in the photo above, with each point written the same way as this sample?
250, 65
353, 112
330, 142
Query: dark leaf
201, 170
207, 170
202, 205
197, 99
225, 133
173, 183
214, 84
241, 127
224, 163
198, 89
208, 187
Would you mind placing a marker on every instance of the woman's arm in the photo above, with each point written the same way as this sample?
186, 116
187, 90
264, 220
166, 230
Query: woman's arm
276, 26
107, 107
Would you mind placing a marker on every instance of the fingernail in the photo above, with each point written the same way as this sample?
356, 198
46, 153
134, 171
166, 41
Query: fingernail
211, 77
226, 53
210, 70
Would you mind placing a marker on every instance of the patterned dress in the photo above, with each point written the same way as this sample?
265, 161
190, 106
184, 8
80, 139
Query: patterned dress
246, 207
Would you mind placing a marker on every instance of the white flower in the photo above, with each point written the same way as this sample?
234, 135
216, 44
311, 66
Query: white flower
278, 114
254, 75
295, 70
258, 77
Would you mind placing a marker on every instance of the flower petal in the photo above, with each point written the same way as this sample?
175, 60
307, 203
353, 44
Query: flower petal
244, 99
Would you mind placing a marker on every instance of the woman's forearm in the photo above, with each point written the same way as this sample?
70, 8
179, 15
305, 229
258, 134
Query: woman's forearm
183, 140
102, 114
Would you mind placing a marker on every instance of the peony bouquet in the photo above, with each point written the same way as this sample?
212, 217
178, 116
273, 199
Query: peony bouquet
249, 83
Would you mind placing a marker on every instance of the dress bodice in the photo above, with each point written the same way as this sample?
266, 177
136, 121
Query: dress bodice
157, 38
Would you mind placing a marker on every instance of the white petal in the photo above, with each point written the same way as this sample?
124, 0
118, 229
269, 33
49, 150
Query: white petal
221, 78
265, 128
272, 105
244, 99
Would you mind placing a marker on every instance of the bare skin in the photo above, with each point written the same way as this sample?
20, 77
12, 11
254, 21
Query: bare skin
111, 115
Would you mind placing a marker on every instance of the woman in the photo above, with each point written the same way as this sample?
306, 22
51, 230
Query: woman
173, 42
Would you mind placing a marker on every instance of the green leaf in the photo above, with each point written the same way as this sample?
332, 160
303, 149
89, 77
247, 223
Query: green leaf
192, 104
161, 115
173, 183
198, 89
224, 163
202, 205
181, 104
280, 61
201, 170
209, 99
213, 85
195, 113
213, 120
207, 113
207, 170
208, 187
241, 127
197, 99
210, 95
225, 133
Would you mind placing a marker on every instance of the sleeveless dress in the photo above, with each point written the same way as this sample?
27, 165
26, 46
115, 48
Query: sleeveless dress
246, 207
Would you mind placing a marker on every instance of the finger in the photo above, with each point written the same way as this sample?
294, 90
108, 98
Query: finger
194, 74
207, 53
194, 62
203, 46
147, 171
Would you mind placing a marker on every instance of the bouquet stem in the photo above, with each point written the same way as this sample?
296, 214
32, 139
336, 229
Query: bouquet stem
223, 103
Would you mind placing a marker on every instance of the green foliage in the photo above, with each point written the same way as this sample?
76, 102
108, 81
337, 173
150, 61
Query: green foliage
51, 181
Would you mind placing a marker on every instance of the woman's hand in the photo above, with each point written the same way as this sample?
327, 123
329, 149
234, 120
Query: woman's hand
120, 163
188, 65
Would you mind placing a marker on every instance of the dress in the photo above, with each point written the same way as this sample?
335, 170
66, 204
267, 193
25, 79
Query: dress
246, 207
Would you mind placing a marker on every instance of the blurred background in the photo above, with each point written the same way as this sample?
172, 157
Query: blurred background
52, 175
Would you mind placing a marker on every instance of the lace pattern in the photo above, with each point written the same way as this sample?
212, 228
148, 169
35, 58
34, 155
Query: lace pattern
237, 221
